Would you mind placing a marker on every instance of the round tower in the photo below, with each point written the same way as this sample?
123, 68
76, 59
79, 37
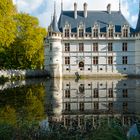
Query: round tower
53, 49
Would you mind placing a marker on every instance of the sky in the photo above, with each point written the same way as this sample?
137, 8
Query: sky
43, 9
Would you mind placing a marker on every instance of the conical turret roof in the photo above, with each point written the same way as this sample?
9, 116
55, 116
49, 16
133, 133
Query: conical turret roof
54, 24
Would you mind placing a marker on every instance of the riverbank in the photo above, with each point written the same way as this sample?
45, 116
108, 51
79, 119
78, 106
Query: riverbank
6, 75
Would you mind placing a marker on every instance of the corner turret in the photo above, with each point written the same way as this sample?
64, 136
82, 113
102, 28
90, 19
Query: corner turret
53, 49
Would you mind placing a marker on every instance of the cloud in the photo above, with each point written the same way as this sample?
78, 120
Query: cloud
28, 5
43, 9
134, 18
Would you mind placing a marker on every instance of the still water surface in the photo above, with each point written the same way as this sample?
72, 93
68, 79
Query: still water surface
76, 106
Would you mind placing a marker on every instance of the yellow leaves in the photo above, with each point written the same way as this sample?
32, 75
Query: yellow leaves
35, 108
22, 32
8, 114
7, 24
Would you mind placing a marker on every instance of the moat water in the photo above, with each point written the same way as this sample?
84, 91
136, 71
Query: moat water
68, 108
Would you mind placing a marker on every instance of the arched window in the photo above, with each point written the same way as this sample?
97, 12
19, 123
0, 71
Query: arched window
81, 88
81, 64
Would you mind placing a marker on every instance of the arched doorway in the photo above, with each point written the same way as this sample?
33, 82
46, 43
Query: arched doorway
81, 65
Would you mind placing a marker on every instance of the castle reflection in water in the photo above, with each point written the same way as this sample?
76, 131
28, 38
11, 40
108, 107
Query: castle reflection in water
80, 102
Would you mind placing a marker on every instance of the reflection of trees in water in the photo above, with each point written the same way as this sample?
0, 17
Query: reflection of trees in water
22, 104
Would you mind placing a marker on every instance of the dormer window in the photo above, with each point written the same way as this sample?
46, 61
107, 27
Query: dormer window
125, 32
81, 32
110, 32
95, 32
67, 32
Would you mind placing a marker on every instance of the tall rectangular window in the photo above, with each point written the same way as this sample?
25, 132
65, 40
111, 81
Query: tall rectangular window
110, 93
124, 47
95, 32
67, 47
110, 60
110, 32
125, 93
110, 106
96, 105
96, 93
81, 32
81, 121
95, 47
125, 32
81, 47
125, 106
67, 33
124, 60
67, 121
95, 60
110, 47
67, 106
67, 60
67, 93
81, 106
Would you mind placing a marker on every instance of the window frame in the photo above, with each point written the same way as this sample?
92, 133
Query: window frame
110, 32
67, 47
66, 32
95, 32
80, 32
95, 60
81, 47
67, 60
124, 46
95, 47
110, 60
110, 47
125, 60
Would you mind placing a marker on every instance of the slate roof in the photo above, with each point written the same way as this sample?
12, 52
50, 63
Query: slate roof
138, 24
54, 24
102, 18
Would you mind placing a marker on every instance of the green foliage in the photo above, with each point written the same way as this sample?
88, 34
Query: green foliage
108, 131
21, 110
21, 39
7, 23
28, 48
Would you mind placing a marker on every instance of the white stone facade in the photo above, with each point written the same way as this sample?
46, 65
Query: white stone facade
94, 53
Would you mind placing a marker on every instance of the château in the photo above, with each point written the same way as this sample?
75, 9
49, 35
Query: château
92, 43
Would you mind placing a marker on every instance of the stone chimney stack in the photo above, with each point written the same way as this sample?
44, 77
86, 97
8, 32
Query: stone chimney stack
85, 10
109, 8
75, 10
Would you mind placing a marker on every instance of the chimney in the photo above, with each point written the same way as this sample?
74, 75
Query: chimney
75, 10
85, 10
109, 8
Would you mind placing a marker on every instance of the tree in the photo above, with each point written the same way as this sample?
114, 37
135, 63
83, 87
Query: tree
7, 23
28, 48
7, 28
